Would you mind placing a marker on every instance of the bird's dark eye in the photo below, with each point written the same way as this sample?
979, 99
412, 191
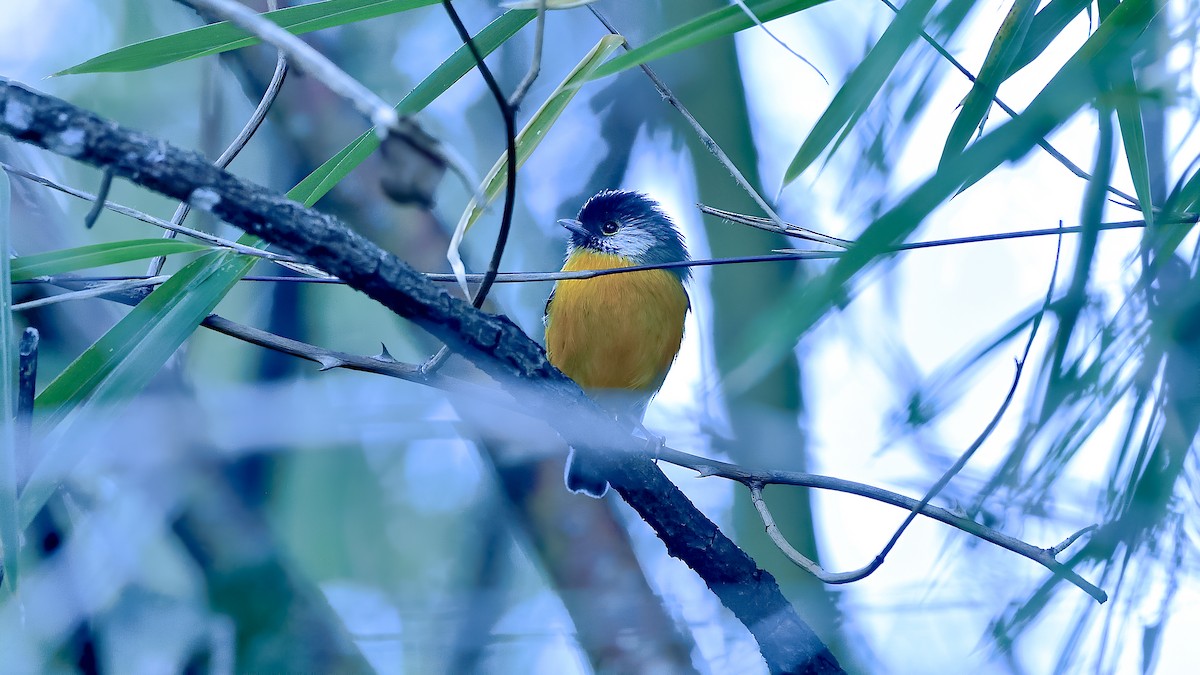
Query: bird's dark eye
610, 228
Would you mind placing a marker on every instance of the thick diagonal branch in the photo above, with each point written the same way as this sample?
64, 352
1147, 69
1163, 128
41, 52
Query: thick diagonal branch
493, 343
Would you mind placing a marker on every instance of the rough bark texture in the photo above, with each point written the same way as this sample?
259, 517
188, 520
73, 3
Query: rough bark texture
493, 343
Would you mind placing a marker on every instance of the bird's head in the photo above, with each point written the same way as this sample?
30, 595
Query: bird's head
629, 225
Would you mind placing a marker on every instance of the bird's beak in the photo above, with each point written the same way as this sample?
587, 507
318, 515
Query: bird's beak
574, 226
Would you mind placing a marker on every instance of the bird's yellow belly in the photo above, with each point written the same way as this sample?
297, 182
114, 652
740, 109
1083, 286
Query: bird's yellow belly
619, 331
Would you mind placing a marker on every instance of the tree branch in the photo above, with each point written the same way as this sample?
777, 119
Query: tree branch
492, 343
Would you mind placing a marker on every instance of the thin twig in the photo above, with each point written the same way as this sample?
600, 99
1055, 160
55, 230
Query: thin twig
947, 476
769, 225
786, 255
306, 58
709, 142
93, 292
510, 132
763, 27
1066, 543
535, 62
101, 195
1042, 142
151, 220
706, 467
239, 142
781, 541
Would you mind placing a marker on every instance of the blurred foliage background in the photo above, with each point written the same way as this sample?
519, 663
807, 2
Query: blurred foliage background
224, 508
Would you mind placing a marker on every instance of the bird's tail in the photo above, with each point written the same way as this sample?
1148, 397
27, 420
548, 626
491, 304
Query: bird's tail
582, 478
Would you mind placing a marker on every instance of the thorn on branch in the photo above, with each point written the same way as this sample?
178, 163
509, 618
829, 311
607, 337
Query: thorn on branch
329, 362
384, 355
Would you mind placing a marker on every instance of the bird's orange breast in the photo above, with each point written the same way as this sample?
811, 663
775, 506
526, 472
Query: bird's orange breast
619, 331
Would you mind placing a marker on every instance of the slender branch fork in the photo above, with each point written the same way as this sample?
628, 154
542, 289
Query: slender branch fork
1044, 556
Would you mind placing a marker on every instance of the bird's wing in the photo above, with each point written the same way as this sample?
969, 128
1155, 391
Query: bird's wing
546, 310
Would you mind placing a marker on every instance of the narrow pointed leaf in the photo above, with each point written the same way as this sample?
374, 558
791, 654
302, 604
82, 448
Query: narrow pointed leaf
1133, 138
1183, 200
1133, 135
97, 255
1046, 26
862, 85
996, 65
1074, 86
224, 36
461, 62
535, 129
715, 24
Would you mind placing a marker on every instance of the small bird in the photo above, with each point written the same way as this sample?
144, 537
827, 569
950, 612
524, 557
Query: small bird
617, 335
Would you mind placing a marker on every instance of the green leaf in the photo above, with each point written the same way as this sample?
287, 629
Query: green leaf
996, 65
717, 23
1187, 198
122, 362
324, 177
97, 255
1075, 85
1133, 138
1127, 102
224, 36
1046, 26
1184, 199
10, 541
862, 85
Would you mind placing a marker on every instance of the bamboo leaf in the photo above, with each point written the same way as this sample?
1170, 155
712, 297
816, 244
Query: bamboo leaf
862, 85
1133, 138
1187, 198
715, 24
1046, 26
224, 36
996, 65
1184, 199
97, 255
1075, 85
323, 178
1127, 103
